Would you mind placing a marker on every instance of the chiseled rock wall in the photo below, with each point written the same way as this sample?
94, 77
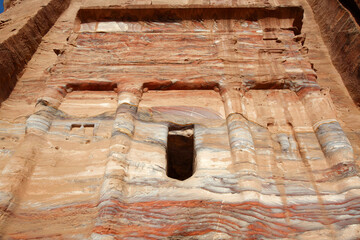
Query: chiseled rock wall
21, 36
342, 36
85, 133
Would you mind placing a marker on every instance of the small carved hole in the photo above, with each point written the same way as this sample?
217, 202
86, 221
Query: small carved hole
83, 129
75, 126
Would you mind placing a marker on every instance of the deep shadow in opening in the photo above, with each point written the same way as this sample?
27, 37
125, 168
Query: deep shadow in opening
353, 8
180, 152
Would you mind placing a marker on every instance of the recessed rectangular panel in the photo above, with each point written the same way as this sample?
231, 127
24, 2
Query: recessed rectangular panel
183, 19
89, 103
183, 106
186, 46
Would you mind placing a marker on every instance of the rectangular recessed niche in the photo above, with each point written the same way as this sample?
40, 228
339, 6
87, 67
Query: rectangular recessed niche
83, 129
184, 19
180, 152
89, 103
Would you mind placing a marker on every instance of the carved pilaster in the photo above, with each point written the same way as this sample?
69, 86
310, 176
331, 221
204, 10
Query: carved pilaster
21, 164
114, 187
45, 109
240, 137
333, 141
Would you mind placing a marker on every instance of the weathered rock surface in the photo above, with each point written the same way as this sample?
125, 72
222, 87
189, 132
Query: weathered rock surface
180, 120
21, 37
10, 3
342, 36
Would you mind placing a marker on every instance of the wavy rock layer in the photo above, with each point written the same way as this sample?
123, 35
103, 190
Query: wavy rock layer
263, 153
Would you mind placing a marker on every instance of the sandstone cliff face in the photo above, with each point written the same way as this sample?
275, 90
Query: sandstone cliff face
342, 36
21, 37
180, 120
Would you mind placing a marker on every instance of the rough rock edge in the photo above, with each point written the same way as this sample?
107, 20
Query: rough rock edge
18, 49
342, 38
10, 3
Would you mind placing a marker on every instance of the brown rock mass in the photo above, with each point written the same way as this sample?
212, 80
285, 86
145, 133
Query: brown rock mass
185, 119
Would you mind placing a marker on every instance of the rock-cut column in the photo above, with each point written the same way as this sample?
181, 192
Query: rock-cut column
333, 141
241, 140
114, 188
21, 164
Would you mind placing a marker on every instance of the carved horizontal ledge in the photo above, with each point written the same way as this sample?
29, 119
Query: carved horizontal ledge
192, 13
116, 87
296, 85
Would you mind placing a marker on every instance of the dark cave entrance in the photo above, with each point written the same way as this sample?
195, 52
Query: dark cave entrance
180, 152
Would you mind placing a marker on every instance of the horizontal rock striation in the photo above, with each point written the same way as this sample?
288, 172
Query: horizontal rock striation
179, 122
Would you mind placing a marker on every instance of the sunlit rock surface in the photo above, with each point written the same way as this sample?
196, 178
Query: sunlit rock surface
175, 120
